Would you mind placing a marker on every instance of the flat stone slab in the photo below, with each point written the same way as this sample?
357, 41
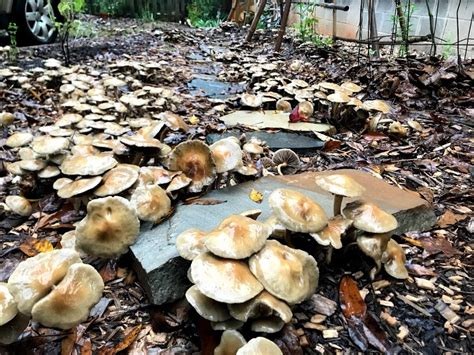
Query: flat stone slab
162, 272
276, 140
271, 120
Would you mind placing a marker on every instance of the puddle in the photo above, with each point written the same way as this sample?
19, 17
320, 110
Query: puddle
208, 85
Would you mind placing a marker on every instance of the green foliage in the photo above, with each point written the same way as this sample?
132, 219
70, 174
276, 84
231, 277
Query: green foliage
205, 13
407, 13
306, 26
13, 51
448, 49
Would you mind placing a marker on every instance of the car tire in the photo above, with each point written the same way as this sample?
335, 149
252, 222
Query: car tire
35, 25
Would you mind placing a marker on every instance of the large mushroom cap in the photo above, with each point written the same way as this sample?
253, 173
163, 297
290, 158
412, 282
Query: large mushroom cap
251, 100
224, 280
46, 145
237, 237
207, 307
96, 164
394, 260
34, 277
190, 243
370, 218
331, 234
289, 274
151, 203
260, 346
296, 211
19, 139
119, 179
79, 186
339, 184
8, 309
231, 341
227, 154
338, 97
19, 205
376, 105
110, 227
194, 159
70, 301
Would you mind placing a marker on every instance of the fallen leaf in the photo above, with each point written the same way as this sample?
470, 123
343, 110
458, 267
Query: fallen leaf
374, 136
434, 245
193, 120
32, 247
412, 241
86, 348
109, 271
420, 270
352, 304
331, 145
449, 218
256, 196
128, 340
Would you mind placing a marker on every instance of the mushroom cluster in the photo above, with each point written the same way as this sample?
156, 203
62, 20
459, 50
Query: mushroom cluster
53, 288
240, 275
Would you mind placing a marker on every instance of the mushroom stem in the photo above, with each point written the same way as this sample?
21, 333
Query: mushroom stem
337, 204
329, 254
279, 168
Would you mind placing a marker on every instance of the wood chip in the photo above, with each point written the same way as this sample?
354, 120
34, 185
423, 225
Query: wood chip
446, 289
309, 325
304, 341
390, 320
425, 284
402, 332
330, 333
377, 285
299, 332
386, 303
323, 305
318, 318
446, 312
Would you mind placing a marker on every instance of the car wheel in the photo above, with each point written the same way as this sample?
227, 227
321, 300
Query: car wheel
36, 21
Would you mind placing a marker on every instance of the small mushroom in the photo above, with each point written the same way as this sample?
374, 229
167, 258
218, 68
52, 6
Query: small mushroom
267, 325
224, 280
46, 145
368, 217
19, 205
207, 307
190, 243
79, 186
302, 112
110, 227
341, 186
331, 234
231, 341
230, 324
117, 180
289, 274
260, 346
283, 106
151, 203
253, 148
286, 161
70, 301
393, 259
8, 309
376, 105
227, 154
251, 100
297, 212
374, 245
94, 165
19, 139
174, 122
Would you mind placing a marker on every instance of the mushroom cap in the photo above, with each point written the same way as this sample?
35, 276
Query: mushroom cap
267, 325
253, 148
151, 203
70, 301
283, 105
369, 218
6, 118
259, 346
352, 87
296, 211
251, 100
61, 182
190, 243
49, 172
8, 309
237, 237
373, 245
19, 205
338, 97
79, 186
194, 159
34, 277
173, 121
230, 324
376, 105
154, 175
179, 181
110, 227
263, 305
140, 141
19, 139
331, 234
329, 86
227, 154
231, 341
339, 184
394, 259
96, 164
68, 119
224, 280
68, 240
32, 164
289, 274
46, 145
305, 109
288, 158
207, 307
247, 170
10, 332
117, 180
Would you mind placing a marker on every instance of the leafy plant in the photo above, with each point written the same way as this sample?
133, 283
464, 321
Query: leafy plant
448, 49
306, 26
13, 51
205, 12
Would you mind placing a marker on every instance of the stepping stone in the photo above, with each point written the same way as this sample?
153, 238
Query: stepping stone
162, 272
277, 140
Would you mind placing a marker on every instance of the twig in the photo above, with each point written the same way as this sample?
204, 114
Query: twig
468, 35
433, 46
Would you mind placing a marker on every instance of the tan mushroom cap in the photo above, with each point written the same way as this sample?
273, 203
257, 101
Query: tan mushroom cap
373, 245
251, 100
253, 148
46, 145
339, 184
338, 97
247, 170
110, 227
259, 346
227, 154
10, 331
70, 301
190, 243
19, 139
237, 237
306, 109
394, 259
264, 305
224, 280
151, 203
331, 234
370, 218
270, 324
61, 182
6, 118
207, 307
174, 122
119, 179
68, 119
49, 172
34, 277
19, 205
296, 211
155, 175
289, 274
8, 309
352, 87
231, 341
87, 164
179, 182
194, 159
140, 141
32, 164
283, 105
329, 86
79, 186
376, 105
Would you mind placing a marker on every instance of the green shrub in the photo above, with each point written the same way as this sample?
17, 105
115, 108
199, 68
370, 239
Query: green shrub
205, 12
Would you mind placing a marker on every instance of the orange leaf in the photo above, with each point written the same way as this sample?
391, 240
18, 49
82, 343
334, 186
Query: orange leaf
448, 218
352, 304
32, 247
129, 339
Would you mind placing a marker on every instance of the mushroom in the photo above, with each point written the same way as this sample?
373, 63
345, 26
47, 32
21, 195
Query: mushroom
286, 160
341, 186
34, 277
374, 245
151, 203
224, 280
79, 186
331, 234
351, 87
110, 227
251, 100
173, 121
71, 300
302, 112
46, 145
376, 105
267, 325
237, 237
368, 217
283, 106
194, 159
259, 346
10, 331
227, 154
190, 243
297, 212
117, 180
6, 118
394, 259
230, 324
96, 164
8, 309
253, 148
19, 139
289, 274
231, 341
19, 205
207, 307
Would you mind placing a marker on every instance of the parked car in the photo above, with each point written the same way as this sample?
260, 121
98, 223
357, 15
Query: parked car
35, 19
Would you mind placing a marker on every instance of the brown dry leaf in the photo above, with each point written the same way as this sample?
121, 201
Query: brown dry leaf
32, 247
48, 220
420, 270
128, 340
331, 145
67, 345
374, 136
256, 196
109, 271
352, 304
86, 348
434, 245
449, 218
